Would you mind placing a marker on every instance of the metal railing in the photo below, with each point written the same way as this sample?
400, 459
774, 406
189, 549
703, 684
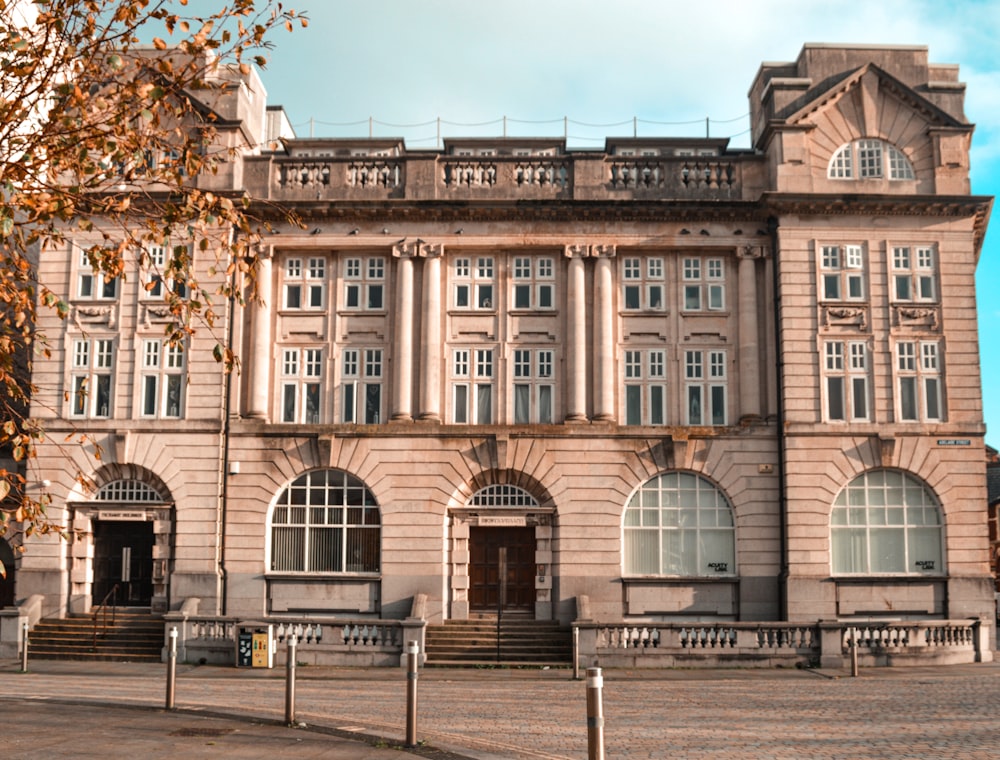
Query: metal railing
101, 613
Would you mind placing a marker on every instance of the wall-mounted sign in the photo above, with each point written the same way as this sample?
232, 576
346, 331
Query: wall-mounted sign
954, 442
122, 515
503, 521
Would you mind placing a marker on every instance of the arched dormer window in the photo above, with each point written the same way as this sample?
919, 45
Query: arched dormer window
869, 159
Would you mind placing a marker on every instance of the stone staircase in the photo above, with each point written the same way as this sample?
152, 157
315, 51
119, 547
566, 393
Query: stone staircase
523, 642
135, 636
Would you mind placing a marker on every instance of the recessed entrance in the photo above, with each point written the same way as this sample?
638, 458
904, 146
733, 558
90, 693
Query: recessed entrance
487, 592
123, 555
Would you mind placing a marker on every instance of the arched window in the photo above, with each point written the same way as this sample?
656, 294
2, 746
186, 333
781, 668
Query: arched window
678, 523
869, 159
134, 491
502, 496
886, 522
326, 521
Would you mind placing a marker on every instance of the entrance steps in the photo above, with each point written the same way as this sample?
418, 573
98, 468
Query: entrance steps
135, 636
522, 643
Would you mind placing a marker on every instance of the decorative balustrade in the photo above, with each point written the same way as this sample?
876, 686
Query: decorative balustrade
933, 634
468, 173
677, 175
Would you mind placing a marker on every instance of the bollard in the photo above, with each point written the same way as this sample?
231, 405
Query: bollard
576, 653
412, 649
24, 649
854, 652
595, 715
171, 667
290, 680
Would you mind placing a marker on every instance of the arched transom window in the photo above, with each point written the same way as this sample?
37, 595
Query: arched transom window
502, 496
128, 490
869, 159
326, 521
678, 523
886, 522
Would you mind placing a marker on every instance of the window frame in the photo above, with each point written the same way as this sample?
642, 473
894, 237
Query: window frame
870, 158
362, 385
473, 283
306, 277
533, 370
92, 365
846, 368
919, 380
914, 268
365, 283
841, 267
643, 283
644, 386
473, 385
300, 376
162, 379
706, 385
703, 283
92, 285
535, 277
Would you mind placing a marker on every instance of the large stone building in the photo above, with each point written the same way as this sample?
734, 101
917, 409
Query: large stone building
678, 381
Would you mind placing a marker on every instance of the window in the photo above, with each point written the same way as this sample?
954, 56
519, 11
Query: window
705, 387
162, 379
326, 521
361, 385
842, 272
645, 387
155, 263
364, 283
679, 524
869, 159
918, 380
533, 388
91, 377
472, 386
846, 380
305, 281
642, 280
301, 385
704, 284
886, 522
913, 274
473, 283
93, 285
534, 286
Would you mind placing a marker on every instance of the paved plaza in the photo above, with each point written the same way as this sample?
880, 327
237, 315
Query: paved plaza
72, 709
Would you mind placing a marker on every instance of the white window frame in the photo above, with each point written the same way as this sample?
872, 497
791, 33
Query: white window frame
533, 283
643, 283
846, 383
474, 283
869, 158
706, 391
93, 285
704, 283
365, 283
153, 279
92, 390
301, 380
914, 274
533, 387
473, 374
919, 382
842, 273
644, 396
162, 380
362, 385
304, 286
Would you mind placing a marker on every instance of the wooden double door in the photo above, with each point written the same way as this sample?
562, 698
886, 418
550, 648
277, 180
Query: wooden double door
123, 555
501, 569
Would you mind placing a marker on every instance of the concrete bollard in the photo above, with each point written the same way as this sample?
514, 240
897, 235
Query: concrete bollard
576, 653
290, 680
171, 667
412, 650
595, 714
24, 648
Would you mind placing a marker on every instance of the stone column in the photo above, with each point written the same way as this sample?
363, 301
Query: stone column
261, 314
749, 359
604, 334
402, 349
431, 349
576, 343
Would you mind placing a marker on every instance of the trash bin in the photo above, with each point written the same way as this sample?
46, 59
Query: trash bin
255, 645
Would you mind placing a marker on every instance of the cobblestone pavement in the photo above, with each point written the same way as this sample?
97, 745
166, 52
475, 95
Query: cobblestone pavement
947, 712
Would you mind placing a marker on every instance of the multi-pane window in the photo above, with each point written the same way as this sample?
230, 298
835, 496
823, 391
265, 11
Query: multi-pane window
913, 274
154, 282
845, 376
473, 281
645, 387
162, 379
842, 272
305, 282
534, 282
533, 386
91, 284
364, 283
91, 377
326, 521
472, 386
301, 385
869, 159
678, 523
918, 379
642, 283
886, 522
705, 387
361, 372
704, 284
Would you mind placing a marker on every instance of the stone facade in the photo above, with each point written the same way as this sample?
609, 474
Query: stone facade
685, 382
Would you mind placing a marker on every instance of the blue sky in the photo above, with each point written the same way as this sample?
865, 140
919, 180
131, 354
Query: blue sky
668, 63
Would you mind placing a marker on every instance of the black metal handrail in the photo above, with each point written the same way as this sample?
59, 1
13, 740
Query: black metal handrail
102, 612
